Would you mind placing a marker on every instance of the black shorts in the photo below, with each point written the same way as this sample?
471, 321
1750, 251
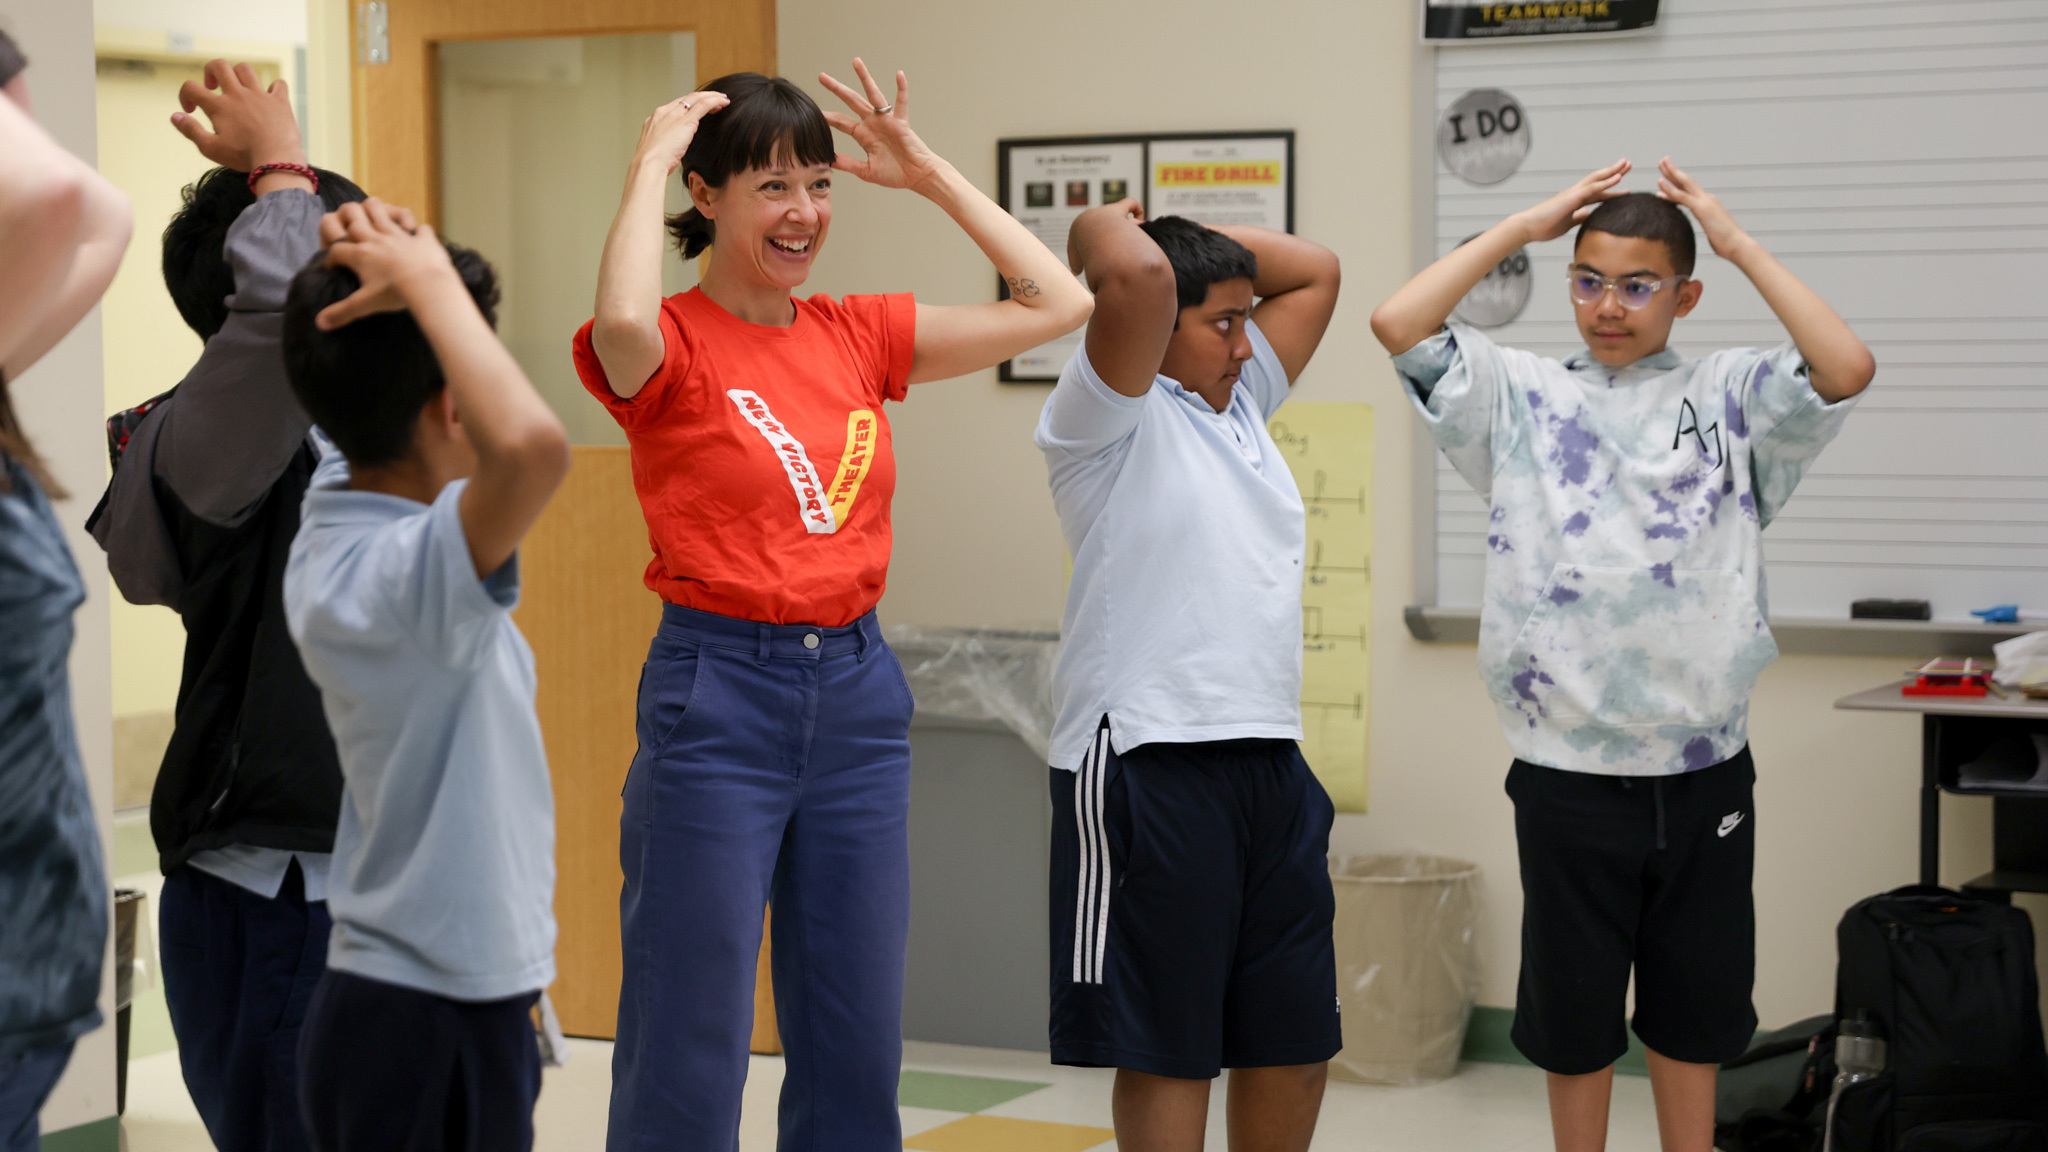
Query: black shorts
1650, 873
1191, 910
383, 1068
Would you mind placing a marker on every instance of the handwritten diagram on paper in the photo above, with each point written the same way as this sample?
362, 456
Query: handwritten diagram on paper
1329, 449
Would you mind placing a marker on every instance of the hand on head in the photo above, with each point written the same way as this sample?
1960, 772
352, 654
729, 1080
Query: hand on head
1723, 233
389, 252
895, 157
1562, 212
666, 135
252, 125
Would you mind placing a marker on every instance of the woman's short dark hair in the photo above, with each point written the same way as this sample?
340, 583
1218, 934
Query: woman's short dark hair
1645, 216
365, 383
195, 241
1200, 257
769, 121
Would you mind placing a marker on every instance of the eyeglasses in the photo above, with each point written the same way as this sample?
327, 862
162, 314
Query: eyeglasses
1633, 291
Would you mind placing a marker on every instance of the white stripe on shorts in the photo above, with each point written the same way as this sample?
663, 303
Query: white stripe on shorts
1091, 900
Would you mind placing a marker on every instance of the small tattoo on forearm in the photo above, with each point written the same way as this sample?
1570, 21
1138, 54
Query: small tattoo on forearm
1023, 288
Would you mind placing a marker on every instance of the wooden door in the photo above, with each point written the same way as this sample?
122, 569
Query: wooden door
584, 608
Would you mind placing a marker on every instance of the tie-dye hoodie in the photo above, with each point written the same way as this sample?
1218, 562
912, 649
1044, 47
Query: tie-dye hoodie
1624, 622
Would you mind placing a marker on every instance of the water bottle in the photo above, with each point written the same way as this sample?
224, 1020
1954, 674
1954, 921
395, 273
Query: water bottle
1859, 1056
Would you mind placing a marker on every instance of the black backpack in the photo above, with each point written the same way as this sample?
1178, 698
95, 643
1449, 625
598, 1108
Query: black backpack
1772, 1097
1949, 979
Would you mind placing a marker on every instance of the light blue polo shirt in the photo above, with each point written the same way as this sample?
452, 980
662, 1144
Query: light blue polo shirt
444, 857
1183, 619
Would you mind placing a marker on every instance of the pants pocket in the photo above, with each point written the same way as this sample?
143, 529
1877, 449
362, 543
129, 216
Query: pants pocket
668, 688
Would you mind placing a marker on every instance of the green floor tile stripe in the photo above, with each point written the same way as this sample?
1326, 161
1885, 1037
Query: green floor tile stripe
98, 1136
1486, 1040
948, 1092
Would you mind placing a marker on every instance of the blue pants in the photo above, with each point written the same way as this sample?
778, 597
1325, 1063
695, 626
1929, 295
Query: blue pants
239, 971
774, 764
25, 1083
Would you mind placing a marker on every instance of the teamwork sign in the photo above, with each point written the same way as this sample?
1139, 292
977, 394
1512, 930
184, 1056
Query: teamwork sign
1457, 21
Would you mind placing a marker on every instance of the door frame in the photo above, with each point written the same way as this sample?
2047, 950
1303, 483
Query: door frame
396, 104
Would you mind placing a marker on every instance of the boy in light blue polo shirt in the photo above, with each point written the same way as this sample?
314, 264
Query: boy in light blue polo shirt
1191, 900
399, 593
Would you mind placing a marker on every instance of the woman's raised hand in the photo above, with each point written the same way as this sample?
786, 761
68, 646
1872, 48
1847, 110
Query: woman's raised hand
666, 135
895, 158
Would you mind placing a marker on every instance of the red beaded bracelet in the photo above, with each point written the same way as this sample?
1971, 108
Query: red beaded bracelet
307, 171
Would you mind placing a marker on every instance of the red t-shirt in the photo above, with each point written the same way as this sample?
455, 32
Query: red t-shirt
762, 457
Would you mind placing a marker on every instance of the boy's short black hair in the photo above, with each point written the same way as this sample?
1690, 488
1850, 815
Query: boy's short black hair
768, 121
11, 59
196, 266
365, 383
1645, 216
1200, 257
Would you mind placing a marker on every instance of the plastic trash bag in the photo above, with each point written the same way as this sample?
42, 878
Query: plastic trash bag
979, 674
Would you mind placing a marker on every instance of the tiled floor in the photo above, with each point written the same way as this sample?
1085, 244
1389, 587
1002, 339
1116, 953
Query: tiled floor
988, 1100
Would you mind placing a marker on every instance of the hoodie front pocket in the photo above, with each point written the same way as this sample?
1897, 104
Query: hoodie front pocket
1641, 648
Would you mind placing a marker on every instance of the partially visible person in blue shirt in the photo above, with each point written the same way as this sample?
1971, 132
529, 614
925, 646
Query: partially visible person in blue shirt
399, 592
64, 229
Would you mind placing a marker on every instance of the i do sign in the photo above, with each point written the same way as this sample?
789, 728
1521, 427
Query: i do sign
1484, 136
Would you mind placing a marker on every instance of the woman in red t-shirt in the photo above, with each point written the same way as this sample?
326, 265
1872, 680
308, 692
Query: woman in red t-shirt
774, 723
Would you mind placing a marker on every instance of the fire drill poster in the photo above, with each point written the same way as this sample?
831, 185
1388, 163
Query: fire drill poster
1220, 178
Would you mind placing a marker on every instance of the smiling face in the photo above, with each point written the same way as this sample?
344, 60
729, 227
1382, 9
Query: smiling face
1618, 335
770, 221
1209, 343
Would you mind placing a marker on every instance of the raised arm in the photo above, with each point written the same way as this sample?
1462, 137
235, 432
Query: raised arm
627, 332
63, 229
1419, 309
1839, 365
1135, 305
234, 424
521, 448
1297, 291
1045, 301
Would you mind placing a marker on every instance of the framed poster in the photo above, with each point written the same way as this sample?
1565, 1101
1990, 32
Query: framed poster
1481, 21
1210, 177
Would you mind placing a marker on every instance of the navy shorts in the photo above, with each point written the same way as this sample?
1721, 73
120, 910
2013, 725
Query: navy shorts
1191, 910
384, 1068
1643, 874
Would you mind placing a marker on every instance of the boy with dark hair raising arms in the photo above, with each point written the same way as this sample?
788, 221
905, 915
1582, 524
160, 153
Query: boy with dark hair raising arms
199, 517
1191, 902
400, 592
1625, 620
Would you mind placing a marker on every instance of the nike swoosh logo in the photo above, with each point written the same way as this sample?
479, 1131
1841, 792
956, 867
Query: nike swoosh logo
1729, 823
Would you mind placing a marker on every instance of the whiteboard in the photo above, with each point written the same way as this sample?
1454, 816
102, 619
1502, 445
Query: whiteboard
1894, 154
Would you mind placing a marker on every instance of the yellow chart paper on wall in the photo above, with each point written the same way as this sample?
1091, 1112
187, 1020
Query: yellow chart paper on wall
1328, 447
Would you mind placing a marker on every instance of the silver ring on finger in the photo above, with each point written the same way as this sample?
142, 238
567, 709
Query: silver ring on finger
885, 109
686, 107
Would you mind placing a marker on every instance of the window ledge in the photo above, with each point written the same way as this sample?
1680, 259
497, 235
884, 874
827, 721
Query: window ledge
1802, 635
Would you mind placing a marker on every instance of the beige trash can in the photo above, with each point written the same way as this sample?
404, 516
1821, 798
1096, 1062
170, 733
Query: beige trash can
1407, 967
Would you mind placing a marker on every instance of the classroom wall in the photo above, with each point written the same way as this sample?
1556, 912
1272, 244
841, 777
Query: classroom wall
59, 404
976, 539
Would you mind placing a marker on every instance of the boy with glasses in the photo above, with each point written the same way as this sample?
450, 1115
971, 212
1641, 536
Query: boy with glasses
1624, 619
